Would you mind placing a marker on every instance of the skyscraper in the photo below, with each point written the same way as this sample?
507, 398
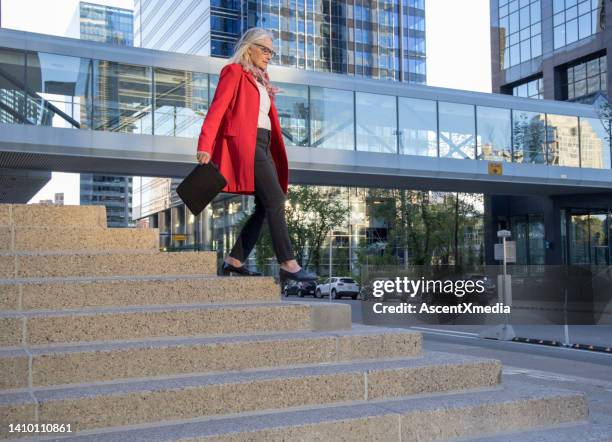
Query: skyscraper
115, 26
383, 40
555, 50
552, 49
106, 24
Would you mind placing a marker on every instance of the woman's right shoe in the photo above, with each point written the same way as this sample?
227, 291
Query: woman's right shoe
300, 275
228, 269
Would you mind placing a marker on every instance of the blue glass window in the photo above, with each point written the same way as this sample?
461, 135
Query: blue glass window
520, 32
575, 20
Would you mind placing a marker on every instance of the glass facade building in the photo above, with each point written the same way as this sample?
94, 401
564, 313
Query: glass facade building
106, 24
556, 50
382, 40
552, 49
113, 192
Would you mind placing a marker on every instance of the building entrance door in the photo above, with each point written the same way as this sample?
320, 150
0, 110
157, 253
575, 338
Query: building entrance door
589, 233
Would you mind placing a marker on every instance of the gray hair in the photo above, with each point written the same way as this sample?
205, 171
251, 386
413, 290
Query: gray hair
252, 35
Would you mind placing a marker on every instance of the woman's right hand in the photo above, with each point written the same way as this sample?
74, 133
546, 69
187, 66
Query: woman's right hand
203, 157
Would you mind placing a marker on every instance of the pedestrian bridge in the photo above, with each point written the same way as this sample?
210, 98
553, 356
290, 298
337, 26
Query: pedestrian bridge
79, 106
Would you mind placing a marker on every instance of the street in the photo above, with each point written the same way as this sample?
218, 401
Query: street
567, 368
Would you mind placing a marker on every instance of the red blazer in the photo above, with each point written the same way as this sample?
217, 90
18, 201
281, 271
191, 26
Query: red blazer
229, 131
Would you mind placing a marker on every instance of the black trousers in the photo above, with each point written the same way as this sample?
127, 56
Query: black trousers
269, 203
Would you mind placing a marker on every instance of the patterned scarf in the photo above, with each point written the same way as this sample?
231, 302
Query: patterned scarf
262, 76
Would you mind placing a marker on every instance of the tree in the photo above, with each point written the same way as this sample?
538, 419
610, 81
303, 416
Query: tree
427, 224
311, 213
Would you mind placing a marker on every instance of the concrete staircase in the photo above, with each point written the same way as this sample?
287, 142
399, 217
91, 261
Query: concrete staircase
101, 331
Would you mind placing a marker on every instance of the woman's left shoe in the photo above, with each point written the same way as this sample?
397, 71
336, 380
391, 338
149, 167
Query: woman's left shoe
228, 269
300, 275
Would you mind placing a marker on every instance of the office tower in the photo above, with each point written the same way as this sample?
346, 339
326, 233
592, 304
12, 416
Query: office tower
106, 24
555, 50
552, 49
382, 40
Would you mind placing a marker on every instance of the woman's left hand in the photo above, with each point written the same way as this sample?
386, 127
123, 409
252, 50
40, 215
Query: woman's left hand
203, 157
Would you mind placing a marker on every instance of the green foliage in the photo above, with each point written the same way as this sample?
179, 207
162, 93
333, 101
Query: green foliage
429, 225
311, 213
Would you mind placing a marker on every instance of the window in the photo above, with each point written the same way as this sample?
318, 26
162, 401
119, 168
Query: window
562, 140
457, 126
582, 81
376, 131
520, 32
574, 20
418, 127
529, 89
594, 144
529, 134
332, 123
493, 136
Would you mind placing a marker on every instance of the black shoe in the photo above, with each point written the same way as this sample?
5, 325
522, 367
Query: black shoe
228, 269
300, 275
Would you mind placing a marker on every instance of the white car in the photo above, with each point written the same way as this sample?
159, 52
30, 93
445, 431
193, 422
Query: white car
338, 286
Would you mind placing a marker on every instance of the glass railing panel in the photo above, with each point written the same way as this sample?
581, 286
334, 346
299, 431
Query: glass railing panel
12, 96
457, 129
595, 143
494, 138
58, 90
122, 97
562, 140
181, 100
213, 81
528, 137
417, 127
376, 120
293, 112
332, 124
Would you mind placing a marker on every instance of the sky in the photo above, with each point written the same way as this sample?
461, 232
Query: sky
457, 45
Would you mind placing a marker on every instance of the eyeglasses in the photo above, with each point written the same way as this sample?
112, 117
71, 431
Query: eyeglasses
265, 50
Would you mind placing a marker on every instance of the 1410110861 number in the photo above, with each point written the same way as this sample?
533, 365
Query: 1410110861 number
40, 428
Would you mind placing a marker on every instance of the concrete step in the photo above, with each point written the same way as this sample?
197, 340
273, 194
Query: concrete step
29, 240
56, 365
36, 215
148, 401
425, 418
107, 264
570, 432
78, 293
132, 323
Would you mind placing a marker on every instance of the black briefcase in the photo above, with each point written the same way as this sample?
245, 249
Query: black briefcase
201, 186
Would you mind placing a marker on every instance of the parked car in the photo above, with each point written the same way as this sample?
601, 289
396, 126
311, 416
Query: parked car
338, 286
300, 288
489, 285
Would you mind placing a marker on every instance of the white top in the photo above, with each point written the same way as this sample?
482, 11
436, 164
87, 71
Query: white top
264, 107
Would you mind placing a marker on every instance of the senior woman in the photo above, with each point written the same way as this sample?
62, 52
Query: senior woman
241, 135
